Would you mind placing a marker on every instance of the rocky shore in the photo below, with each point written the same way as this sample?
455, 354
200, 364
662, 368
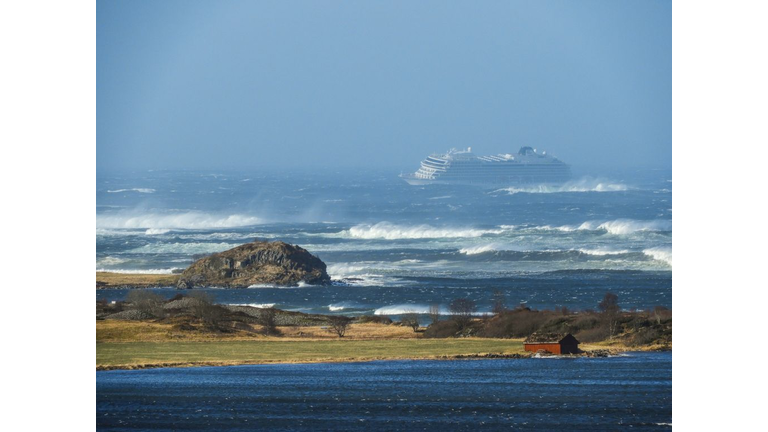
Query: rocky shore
255, 263
259, 262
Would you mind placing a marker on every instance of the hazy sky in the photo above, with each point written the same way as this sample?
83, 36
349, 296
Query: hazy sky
217, 84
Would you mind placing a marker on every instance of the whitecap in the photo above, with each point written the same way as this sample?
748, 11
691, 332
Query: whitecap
389, 231
139, 190
187, 220
586, 184
255, 305
476, 250
662, 253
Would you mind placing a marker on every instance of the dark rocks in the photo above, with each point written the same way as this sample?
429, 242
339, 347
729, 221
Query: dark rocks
259, 262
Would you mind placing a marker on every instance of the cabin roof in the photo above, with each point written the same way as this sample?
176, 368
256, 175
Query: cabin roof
547, 337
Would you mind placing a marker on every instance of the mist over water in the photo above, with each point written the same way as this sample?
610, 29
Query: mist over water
391, 245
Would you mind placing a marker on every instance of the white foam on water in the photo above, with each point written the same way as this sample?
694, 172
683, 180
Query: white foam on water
255, 305
139, 190
109, 261
187, 220
616, 227
662, 253
401, 309
480, 249
182, 248
629, 226
602, 252
389, 231
586, 184
157, 231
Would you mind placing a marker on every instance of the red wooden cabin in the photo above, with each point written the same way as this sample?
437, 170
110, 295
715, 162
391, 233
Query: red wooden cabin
555, 343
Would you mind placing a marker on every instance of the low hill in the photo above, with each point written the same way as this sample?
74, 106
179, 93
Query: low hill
259, 262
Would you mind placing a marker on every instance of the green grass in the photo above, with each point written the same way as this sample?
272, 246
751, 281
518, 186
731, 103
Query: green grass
137, 354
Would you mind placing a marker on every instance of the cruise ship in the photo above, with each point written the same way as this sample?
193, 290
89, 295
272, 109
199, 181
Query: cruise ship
463, 167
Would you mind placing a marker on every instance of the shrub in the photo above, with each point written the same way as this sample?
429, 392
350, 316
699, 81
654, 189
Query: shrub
434, 313
267, 319
203, 308
339, 324
411, 320
462, 310
596, 334
374, 319
442, 329
146, 302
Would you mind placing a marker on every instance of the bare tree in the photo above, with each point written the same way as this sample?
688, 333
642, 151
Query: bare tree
610, 309
462, 310
146, 302
499, 302
339, 324
434, 313
268, 320
205, 310
411, 319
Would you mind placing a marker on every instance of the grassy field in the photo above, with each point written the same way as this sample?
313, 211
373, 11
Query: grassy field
107, 279
143, 331
128, 355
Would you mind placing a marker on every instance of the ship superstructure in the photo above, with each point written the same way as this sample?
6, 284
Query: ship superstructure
463, 167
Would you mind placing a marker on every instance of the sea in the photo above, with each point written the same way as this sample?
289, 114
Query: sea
391, 247
628, 392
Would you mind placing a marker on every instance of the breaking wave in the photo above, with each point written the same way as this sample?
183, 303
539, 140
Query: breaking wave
189, 220
628, 226
139, 190
603, 252
256, 305
586, 184
401, 309
157, 231
388, 231
660, 254
616, 227
110, 261
476, 250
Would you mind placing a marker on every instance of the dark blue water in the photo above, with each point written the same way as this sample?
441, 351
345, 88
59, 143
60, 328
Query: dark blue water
530, 394
393, 247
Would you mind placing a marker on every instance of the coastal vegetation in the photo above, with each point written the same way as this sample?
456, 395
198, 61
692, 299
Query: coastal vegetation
147, 330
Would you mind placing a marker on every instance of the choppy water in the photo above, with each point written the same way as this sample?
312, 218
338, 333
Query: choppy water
537, 394
393, 246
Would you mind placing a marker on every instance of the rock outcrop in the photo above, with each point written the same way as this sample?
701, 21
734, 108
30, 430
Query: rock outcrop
260, 262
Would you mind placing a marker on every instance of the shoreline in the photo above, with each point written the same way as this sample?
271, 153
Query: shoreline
479, 356
179, 354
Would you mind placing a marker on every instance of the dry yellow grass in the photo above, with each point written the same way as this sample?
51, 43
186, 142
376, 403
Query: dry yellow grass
108, 279
132, 344
132, 355
141, 331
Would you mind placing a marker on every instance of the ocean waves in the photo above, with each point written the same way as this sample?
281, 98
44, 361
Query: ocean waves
139, 190
193, 248
663, 254
586, 184
615, 227
389, 231
167, 221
